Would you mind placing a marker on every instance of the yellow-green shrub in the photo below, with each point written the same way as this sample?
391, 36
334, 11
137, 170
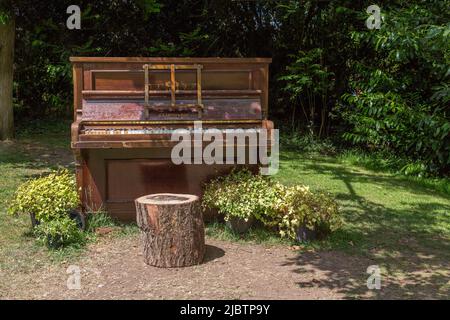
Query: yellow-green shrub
298, 206
243, 194
48, 197
59, 232
240, 194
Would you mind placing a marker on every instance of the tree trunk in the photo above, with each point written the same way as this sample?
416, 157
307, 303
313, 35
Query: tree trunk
172, 229
7, 33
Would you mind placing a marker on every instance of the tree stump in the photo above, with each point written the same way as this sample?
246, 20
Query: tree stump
172, 229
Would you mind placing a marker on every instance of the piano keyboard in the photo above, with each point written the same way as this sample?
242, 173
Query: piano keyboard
116, 131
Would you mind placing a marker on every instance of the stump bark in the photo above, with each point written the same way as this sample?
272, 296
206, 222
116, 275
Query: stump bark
172, 229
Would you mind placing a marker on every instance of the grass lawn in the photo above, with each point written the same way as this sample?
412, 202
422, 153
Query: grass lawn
393, 221
399, 223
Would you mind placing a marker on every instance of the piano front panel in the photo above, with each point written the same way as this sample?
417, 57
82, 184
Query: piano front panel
118, 176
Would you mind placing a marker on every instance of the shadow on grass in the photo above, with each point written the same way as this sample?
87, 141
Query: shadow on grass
32, 155
408, 239
338, 171
347, 275
415, 261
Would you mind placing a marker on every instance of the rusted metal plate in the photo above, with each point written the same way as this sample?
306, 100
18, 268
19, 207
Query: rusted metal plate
214, 109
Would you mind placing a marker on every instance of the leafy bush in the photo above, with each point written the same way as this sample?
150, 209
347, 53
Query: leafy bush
240, 194
244, 195
299, 207
308, 82
59, 232
48, 198
398, 100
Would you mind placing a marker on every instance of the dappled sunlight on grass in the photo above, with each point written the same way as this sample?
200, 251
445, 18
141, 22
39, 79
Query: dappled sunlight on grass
401, 225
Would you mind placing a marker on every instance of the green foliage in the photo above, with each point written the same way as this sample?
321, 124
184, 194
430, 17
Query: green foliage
308, 83
242, 194
307, 143
189, 43
60, 232
298, 206
44, 45
98, 219
48, 198
306, 73
399, 99
4, 17
149, 7
256, 234
5, 11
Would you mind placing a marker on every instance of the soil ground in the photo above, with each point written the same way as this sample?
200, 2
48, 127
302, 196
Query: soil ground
114, 269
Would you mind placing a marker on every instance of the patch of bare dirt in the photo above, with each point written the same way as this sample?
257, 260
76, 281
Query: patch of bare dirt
114, 269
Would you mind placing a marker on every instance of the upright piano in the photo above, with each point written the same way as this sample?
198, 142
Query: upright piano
125, 110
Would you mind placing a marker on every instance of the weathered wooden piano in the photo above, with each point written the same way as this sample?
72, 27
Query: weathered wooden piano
126, 108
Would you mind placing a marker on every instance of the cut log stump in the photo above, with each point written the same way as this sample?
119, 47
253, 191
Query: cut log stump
172, 229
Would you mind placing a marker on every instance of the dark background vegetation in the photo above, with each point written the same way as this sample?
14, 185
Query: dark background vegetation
384, 91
